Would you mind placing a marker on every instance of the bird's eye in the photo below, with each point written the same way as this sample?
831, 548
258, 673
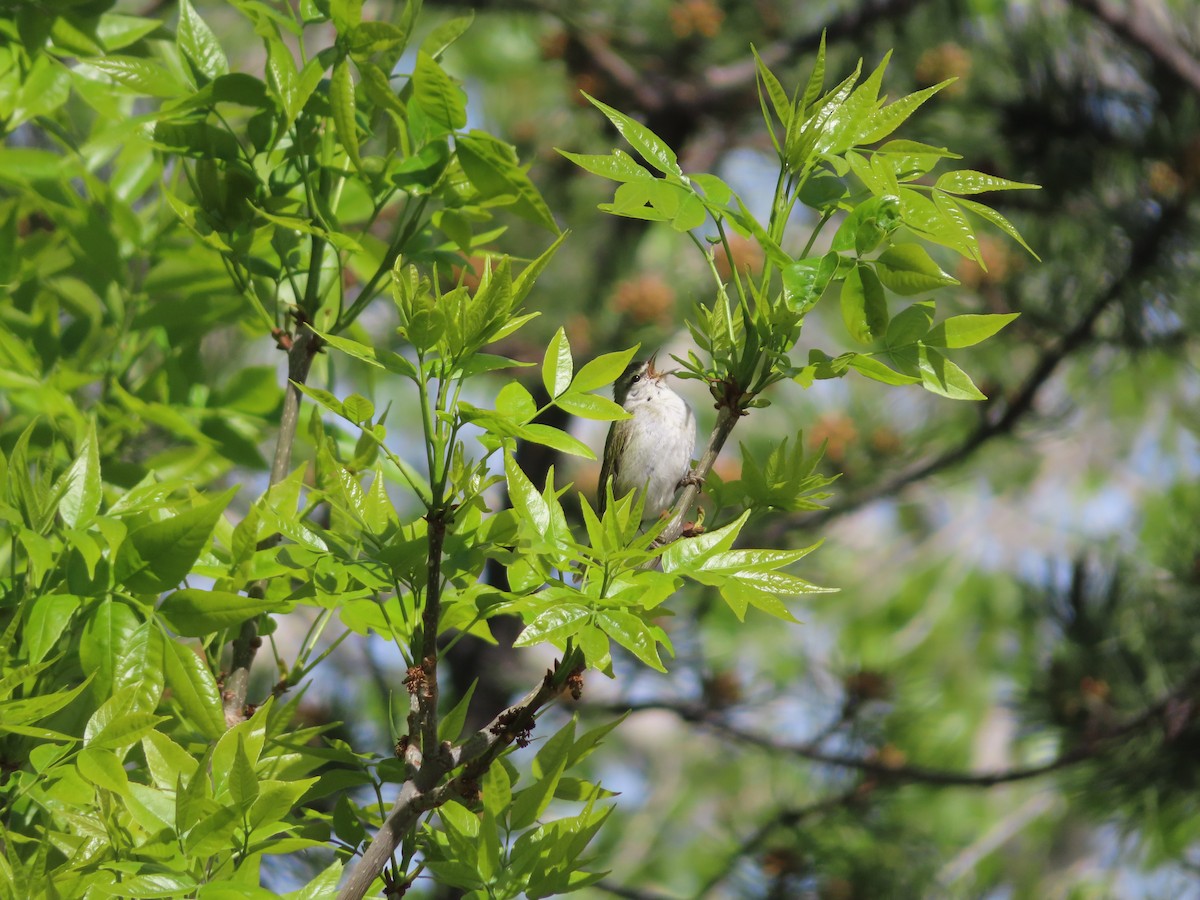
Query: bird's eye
636, 379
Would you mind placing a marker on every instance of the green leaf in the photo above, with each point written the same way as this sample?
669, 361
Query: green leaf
602, 370
633, 634
986, 212
121, 730
450, 725
193, 612
437, 94
139, 668
958, 227
199, 44
341, 101
445, 34
652, 148
243, 782
556, 438
908, 269
103, 769
497, 790
80, 484
194, 689
196, 140
45, 622
516, 403
367, 38
910, 325
969, 181
716, 192
616, 166
886, 120
554, 625
877, 370
525, 497
940, 376
141, 75
105, 632
968, 330
770, 86
684, 556
117, 31
547, 767
864, 305
323, 398
805, 280
157, 556
492, 167
358, 409
591, 406
557, 365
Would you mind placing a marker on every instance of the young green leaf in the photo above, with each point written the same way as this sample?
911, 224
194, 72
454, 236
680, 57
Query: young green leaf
967, 330
557, 365
616, 166
492, 167
908, 269
968, 181
940, 376
864, 305
199, 44
441, 99
194, 689
652, 148
79, 488
341, 101
193, 612
633, 634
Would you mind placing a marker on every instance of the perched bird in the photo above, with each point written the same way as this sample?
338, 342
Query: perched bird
652, 450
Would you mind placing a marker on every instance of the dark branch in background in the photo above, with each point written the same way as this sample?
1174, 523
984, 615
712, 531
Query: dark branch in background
1096, 745
1004, 418
785, 818
722, 81
1135, 24
301, 350
698, 93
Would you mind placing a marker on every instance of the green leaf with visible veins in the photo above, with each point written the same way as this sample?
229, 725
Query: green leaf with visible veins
157, 556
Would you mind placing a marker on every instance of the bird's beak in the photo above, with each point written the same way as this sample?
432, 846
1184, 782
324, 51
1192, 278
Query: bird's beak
650, 370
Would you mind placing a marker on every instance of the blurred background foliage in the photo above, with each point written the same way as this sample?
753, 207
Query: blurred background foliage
1001, 701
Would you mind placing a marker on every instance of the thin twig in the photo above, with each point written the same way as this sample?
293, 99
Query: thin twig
1096, 746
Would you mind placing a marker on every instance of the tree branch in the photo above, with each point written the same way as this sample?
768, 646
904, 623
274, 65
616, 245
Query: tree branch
784, 818
1134, 23
1096, 746
424, 790
304, 347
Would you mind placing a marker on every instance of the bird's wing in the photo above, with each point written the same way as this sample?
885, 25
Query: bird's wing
608, 468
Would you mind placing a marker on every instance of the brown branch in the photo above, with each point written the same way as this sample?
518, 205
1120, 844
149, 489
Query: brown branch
1096, 746
720, 82
1135, 24
697, 93
424, 790
303, 349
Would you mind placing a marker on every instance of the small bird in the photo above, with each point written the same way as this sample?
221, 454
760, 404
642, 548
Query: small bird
652, 450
